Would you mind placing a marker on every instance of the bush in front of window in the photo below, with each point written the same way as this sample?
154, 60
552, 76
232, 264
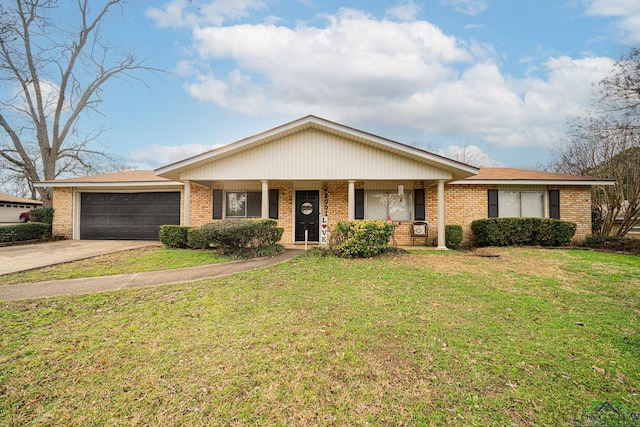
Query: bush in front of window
522, 232
174, 236
360, 238
22, 232
244, 238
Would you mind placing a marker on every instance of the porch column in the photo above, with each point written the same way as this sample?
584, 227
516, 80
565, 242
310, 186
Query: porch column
187, 203
265, 198
351, 200
441, 228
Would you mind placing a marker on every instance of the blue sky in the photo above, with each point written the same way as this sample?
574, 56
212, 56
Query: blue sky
498, 78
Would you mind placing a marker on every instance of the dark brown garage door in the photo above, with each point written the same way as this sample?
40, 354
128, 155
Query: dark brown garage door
127, 216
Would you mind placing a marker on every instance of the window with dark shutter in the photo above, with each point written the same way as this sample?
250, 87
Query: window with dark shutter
359, 212
493, 203
554, 204
418, 197
273, 204
217, 204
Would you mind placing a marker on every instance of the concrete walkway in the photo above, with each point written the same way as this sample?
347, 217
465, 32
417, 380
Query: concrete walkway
29, 256
136, 280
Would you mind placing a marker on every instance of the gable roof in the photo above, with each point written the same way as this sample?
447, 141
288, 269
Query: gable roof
7, 198
124, 178
529, 177
457, 169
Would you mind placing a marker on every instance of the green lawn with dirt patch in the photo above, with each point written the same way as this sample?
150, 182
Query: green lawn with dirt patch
530, 338
131, 261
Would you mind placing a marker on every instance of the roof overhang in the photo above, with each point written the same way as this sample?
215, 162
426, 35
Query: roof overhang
79, 184
532, 182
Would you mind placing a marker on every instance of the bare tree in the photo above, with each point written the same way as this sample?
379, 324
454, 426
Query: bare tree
605, 143
52, 76
468, 153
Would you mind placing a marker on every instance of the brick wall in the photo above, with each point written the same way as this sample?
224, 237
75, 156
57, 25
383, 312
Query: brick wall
575, 206
63, 212
201, 205
463, 205
466, 203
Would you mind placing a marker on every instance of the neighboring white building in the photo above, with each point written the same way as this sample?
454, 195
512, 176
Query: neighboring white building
11, 207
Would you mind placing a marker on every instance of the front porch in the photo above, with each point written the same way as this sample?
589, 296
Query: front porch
315, 206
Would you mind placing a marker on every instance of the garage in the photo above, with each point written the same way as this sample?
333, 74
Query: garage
11, 207
127, 216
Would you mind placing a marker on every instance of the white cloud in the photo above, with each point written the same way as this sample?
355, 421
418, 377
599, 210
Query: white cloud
180, 13
154, 156
627, 14
468, 7
405, 11
356, 69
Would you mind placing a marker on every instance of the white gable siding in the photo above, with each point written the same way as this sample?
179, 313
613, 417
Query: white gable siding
315, 155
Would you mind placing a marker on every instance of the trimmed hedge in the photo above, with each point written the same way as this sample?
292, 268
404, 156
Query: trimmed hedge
453, 236
197, 239
27, 231
522, 232
174, 236
244, 237
360, 238
44, 214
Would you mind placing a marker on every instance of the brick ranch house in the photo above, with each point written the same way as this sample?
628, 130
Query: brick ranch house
308, 174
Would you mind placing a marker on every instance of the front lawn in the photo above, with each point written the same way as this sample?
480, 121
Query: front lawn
530, 338
132, 261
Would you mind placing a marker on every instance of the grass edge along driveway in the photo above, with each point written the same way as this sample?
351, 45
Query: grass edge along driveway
534, 337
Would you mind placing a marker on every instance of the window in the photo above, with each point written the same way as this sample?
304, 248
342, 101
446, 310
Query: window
244, 204
382, 204
521, 204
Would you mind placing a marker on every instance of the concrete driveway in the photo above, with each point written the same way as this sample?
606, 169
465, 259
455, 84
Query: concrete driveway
26, 257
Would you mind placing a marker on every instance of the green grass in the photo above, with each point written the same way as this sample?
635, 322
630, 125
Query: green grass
133, 261
427, 338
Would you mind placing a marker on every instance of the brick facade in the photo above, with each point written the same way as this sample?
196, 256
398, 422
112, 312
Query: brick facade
63, 212
463, 204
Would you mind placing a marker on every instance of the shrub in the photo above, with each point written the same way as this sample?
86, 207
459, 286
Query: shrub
522, 231
244, 237
174, 236
620, 244
197, 239
360, 238
28, 231
453, 236
44, 215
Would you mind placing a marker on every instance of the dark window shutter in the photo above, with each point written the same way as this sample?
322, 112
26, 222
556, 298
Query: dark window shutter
217, 204
419, 204
554, 204
273, 204
359, 214
493, 203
